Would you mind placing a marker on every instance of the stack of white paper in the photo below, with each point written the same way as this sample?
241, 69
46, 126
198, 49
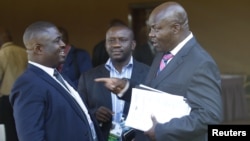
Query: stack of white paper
147, 101
2, 133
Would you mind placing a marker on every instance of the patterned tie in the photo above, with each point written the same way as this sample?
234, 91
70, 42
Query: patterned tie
164, 60
59, 78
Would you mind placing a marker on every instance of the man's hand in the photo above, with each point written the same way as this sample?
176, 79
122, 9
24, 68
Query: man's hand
103, 114
115, 85
151, 132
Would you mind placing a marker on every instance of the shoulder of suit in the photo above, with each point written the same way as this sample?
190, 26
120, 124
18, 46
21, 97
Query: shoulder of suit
140, 64
96, 70
77, 49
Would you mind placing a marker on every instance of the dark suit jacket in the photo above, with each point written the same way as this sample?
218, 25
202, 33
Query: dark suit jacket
96, 94
192, 73
45, 111
76, 62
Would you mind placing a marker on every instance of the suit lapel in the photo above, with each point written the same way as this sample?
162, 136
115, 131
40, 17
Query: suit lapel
106, 93
153, 69
153, 79
71, 101
170, 68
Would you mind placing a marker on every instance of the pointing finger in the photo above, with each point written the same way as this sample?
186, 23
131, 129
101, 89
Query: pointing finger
153, 119
102, 79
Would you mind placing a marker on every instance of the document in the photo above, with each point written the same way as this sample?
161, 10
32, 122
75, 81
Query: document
146, 101
2, 132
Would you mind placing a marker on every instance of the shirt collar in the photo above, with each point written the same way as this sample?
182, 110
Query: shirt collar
109, 65
181, 44
48, 70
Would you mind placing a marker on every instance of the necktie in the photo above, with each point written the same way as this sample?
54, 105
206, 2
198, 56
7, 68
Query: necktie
59, 78
164, 60
91, 125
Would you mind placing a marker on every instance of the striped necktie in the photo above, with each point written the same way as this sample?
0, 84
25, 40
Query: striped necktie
164, 60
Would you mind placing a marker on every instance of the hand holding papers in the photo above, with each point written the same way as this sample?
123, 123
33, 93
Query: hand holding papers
146, 101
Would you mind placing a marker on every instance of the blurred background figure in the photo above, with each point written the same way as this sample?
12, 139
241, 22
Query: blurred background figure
77, 60
99, 54
13, 61
144, 51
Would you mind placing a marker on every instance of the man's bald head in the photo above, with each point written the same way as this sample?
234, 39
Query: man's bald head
168, 24
34, 31
172, 12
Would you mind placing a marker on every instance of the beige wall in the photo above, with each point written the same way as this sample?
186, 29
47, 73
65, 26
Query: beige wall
221, 26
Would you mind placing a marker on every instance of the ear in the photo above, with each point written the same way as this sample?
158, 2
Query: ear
176, 28
133, 44
38, 48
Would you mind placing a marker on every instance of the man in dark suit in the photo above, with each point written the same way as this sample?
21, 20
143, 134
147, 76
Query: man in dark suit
191, 73
77, 60
106, 107
46, 109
